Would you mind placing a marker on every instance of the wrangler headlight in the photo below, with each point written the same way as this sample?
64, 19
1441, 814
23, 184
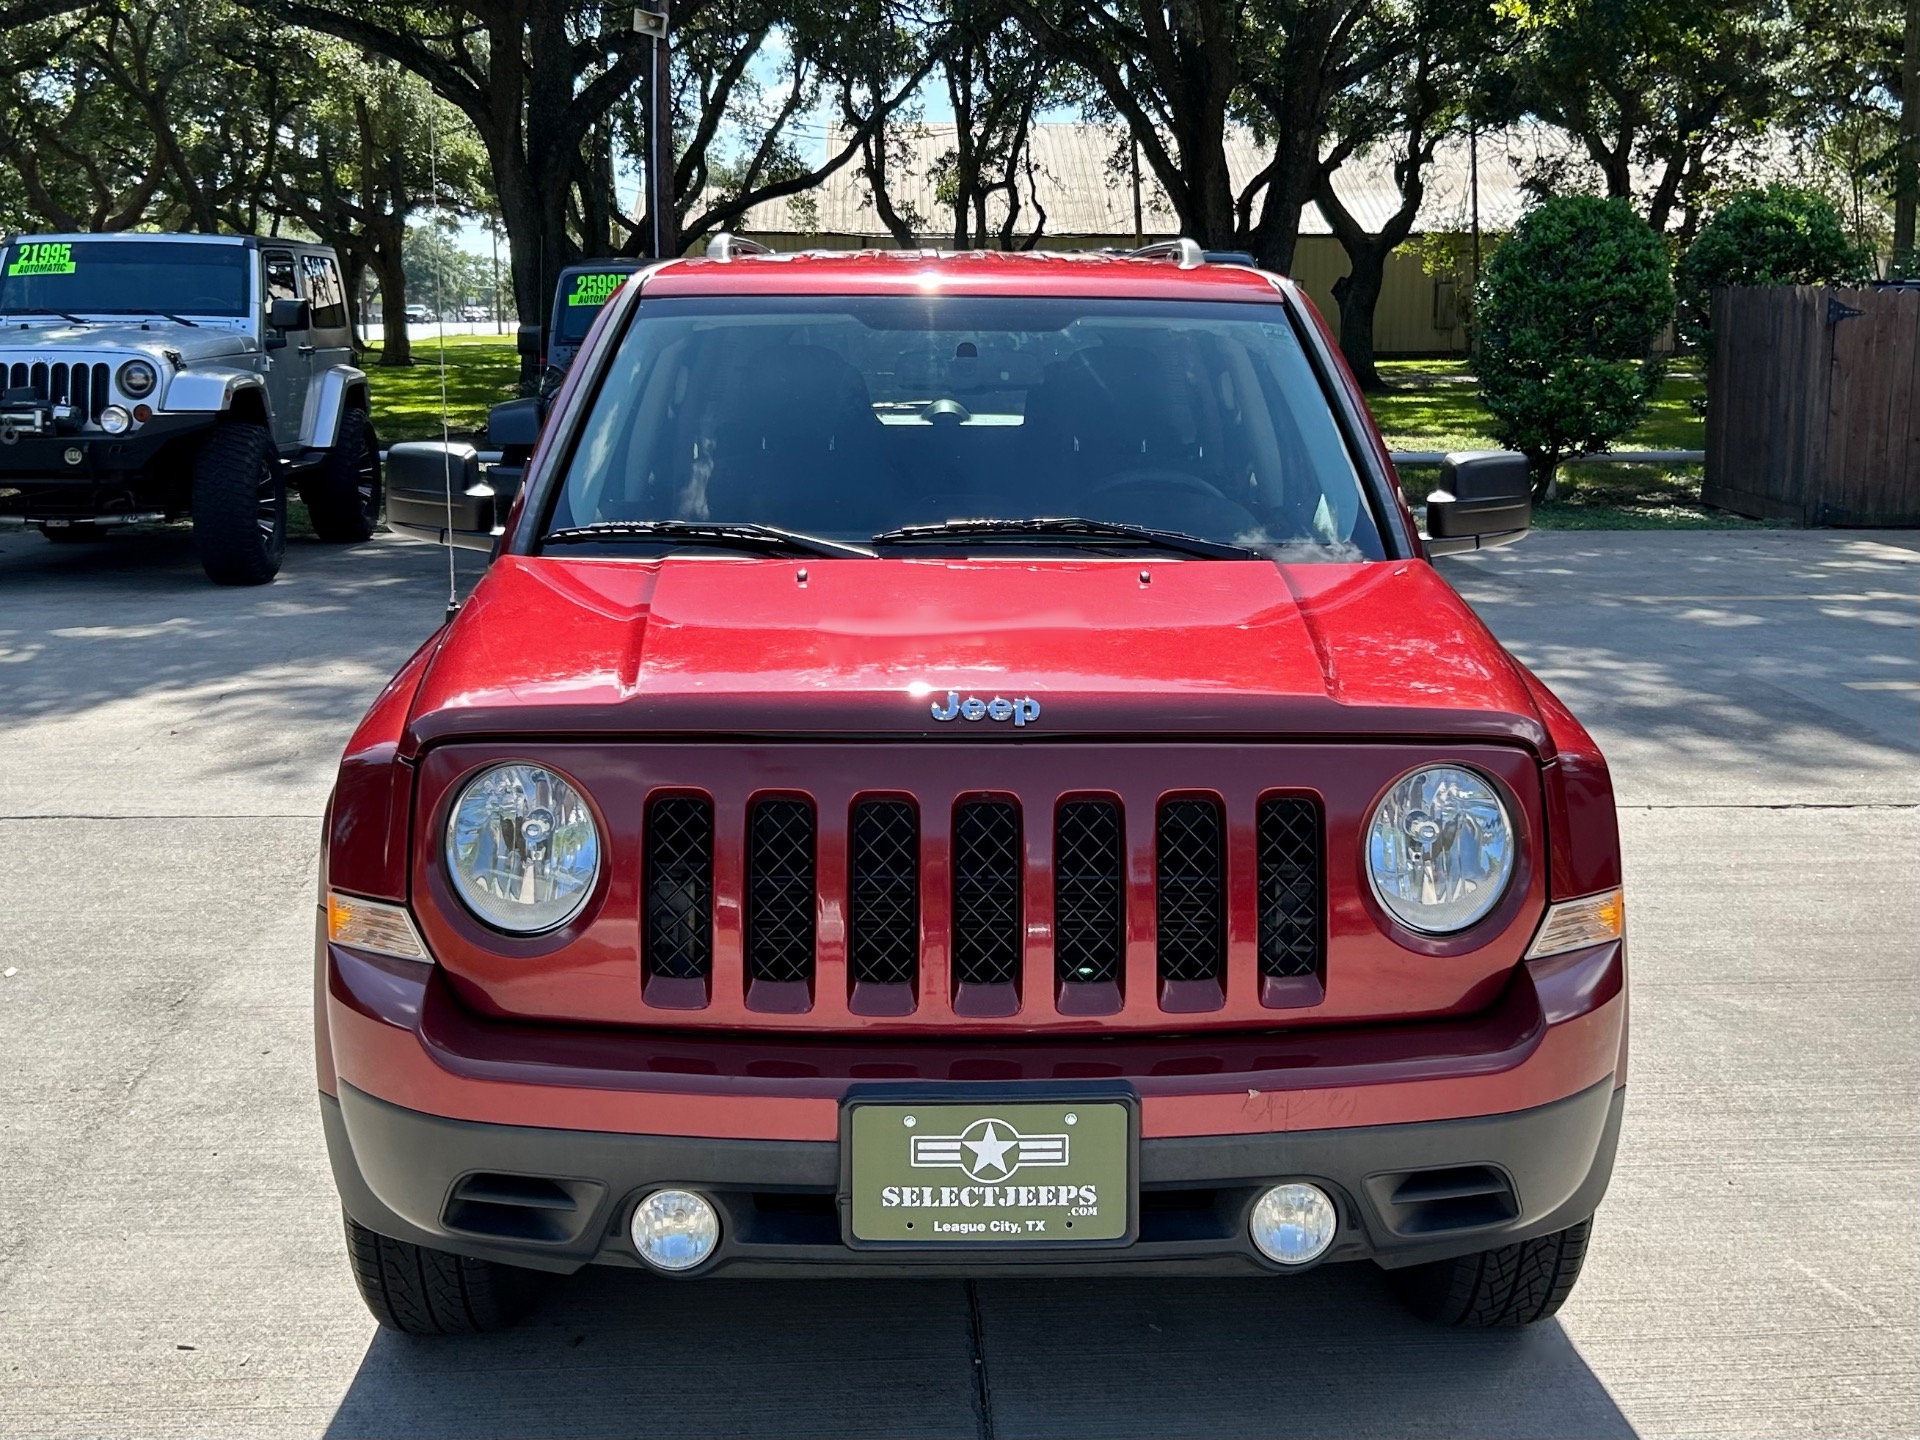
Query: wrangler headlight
137, 379
1440, 849
522, 848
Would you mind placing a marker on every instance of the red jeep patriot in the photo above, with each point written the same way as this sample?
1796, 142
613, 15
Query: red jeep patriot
961, 765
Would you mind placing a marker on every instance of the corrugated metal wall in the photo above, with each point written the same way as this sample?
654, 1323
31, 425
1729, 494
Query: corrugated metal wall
1403, 324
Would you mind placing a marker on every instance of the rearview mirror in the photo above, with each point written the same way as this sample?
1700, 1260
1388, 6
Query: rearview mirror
287, 314
526, 341
1484, 500
434, 492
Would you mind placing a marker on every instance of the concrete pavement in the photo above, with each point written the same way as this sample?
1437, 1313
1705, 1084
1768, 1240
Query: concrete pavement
170, 1261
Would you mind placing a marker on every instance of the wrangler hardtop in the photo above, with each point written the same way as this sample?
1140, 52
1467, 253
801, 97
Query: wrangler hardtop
150, 377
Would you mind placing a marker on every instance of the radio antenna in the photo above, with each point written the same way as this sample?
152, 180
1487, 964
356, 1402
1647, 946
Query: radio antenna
440, 326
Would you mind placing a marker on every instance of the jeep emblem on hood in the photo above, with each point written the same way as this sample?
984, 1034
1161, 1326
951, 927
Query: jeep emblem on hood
1023, 711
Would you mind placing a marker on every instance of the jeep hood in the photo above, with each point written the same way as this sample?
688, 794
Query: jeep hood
209, 340
755, 647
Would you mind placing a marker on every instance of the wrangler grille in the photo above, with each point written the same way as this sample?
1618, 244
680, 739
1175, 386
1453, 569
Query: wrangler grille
1088, 897
884, 893
986, 893
1191, 864
780, 891
1290, 920
88, 388
679, 885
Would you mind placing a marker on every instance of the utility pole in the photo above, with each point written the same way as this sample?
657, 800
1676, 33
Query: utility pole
1139, 218
650, 19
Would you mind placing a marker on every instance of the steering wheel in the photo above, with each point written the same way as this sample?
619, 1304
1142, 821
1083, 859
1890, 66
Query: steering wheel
1175, 481
947, 411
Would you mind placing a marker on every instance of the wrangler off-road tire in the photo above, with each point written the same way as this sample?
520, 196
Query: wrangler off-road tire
421, 1291
1513, 1285
239, 506
343, 498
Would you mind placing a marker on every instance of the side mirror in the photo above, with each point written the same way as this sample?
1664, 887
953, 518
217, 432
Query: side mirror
434, 492
285, 314
1484, 500
526, 341
515, 424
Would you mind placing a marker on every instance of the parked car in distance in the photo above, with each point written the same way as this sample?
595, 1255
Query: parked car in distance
419, 315
1156, 870
152, 376
474, 314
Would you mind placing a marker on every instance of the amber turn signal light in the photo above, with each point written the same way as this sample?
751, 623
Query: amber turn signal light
371, 925
1576, 924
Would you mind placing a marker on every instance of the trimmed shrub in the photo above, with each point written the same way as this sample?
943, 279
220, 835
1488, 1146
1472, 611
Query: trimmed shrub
1568, 312
1777, 236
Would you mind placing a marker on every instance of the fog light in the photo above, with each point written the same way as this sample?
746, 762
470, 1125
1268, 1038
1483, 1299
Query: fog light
115, 420
1292, 1224
675, 1229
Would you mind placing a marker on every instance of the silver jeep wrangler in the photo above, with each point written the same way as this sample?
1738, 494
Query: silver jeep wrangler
147, 377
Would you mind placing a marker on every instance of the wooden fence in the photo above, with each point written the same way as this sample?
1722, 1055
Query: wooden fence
1813, 404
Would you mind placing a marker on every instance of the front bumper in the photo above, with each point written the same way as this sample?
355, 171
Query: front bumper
84, 461
420, 1094
401, 1172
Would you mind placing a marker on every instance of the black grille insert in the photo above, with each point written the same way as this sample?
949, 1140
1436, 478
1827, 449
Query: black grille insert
883, 945
986, 893
780, 890
1291, 933
1191, 862
1088, 897
679, 872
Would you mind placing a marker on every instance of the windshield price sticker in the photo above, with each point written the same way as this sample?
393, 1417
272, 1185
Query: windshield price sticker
991, 1174
594, 289
43, 257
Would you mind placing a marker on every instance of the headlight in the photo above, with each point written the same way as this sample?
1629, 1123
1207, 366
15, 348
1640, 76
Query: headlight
137, 379
1440, 849
522, 848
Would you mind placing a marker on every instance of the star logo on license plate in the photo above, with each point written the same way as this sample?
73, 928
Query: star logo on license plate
988, 1151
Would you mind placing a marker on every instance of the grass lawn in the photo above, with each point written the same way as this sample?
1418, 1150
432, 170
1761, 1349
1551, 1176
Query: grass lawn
481, 372
1434, 405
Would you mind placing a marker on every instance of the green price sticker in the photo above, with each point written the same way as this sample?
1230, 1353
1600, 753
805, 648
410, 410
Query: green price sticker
42, 258
594, 289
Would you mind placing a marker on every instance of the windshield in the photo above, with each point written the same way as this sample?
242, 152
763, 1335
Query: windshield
846, 417
124, 277
584, 295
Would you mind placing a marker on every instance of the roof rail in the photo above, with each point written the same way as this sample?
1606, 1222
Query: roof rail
725, 246
1187, 252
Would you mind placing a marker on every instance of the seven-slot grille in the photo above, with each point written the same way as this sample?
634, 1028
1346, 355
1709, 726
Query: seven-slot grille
986, 920
86, 387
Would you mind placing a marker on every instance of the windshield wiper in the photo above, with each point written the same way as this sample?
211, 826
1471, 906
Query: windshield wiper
733, 535
163, 314
40, 310
1071, 528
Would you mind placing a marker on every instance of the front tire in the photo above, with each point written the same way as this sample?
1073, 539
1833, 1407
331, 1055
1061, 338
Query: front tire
343, 499
239, 506
1511, 1286
421, 1291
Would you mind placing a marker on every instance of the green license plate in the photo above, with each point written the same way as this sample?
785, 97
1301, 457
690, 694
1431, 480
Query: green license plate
1024, 1174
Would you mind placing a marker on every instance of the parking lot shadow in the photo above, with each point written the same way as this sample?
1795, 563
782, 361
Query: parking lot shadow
1328, 1353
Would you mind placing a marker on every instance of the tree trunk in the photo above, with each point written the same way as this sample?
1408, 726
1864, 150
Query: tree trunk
397, 347
1358, 293
1906, 260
